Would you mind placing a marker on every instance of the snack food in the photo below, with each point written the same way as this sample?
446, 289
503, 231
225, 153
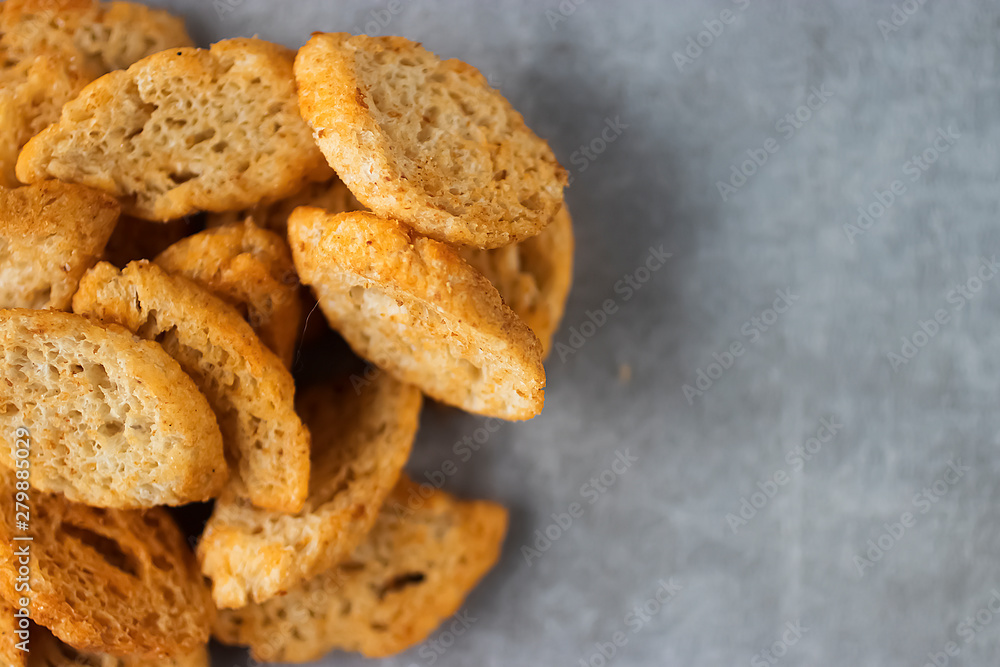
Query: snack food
245, 383
426, 141
105, 580
47, 651
170, 381
113, 420
248, 268
414, 307
533, 276
361, 440
51, 49
427, 550
183, 131
50, 234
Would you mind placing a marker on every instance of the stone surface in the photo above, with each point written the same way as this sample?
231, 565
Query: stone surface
886, 93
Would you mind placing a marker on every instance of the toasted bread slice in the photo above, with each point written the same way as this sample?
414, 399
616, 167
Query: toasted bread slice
106, 35
51, 49
50, 234
426, 141
414, 307
331, 196
533, 276
135, 238
361, 440
185, 130
251, 269
32, 93
113, 420
246, 384
103, 580
47, 651
10, 654
426, 552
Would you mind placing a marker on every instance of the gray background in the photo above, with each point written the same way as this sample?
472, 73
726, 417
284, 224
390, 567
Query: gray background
794, 562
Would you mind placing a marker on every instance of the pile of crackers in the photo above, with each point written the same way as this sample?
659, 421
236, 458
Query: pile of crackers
169, 219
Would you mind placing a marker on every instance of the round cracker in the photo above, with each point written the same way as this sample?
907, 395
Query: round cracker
183, 131
113, 420
249, 389
108, 581
415, 308
533, 276
427, 142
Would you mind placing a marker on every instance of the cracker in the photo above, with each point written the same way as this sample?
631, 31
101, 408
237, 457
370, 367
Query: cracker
533, 276
185, 130
425, 141
361, 440
51, 49
47, 651
415, 308
426, 552
104, 580
113, 421
248, 387
251, 269
50, 234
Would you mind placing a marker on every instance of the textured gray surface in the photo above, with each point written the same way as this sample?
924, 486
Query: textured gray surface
826, 357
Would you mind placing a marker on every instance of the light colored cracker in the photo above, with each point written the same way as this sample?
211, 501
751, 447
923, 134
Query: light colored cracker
50, 234
51, 49
361, 440
32, 94
113, 420
414, 307
183, 131
104, 580
246, 384
426, 141
533, 276
251, 269
426, 552
332, 196
47, 651
104, 35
